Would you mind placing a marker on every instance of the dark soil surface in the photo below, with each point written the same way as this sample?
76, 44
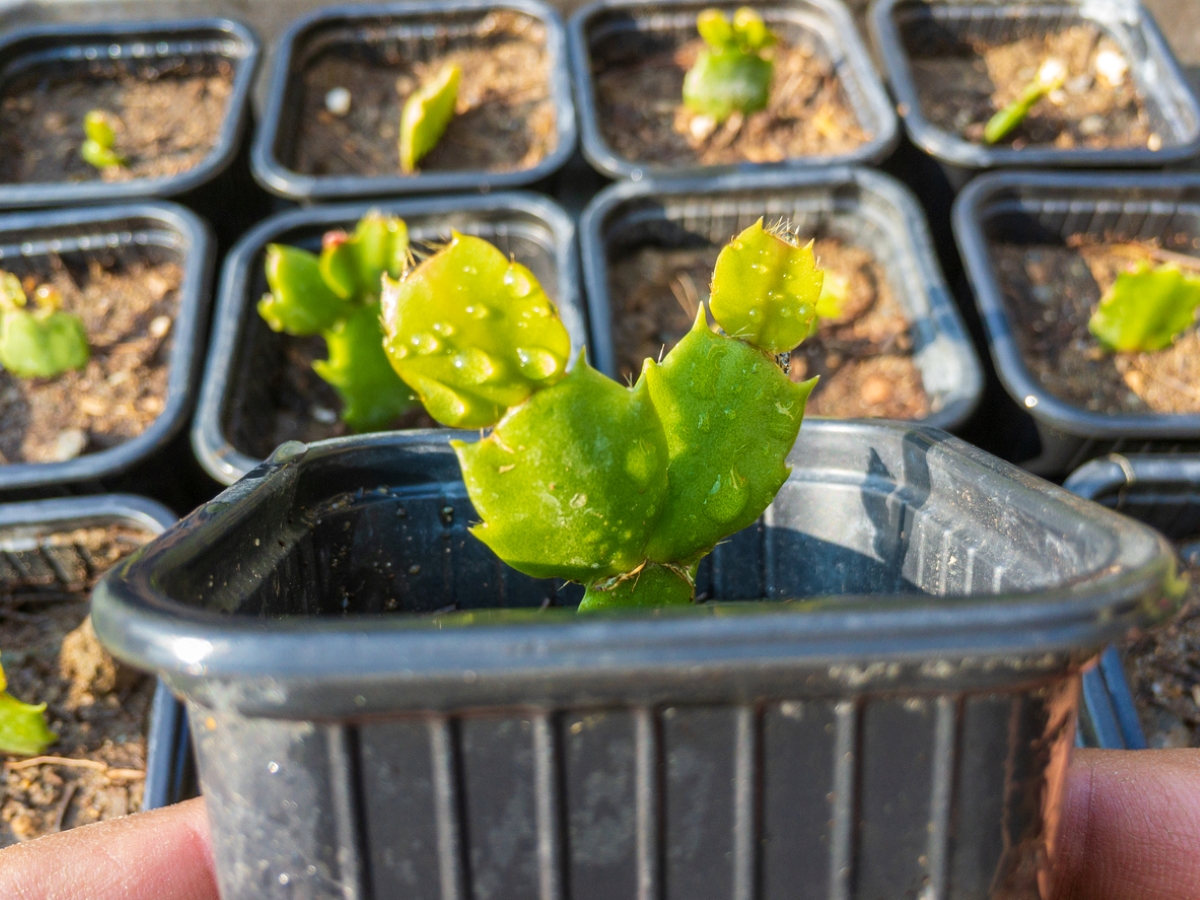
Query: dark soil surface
962, 86
304, 407
128, 304
1164, 669
864, 358
504, 120
96, 769
169, 116
639, 91
1053, 289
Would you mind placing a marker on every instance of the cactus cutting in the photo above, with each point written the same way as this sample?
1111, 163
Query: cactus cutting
39, 341
336, 295
100, 141
731, 74
624, 489
426, 116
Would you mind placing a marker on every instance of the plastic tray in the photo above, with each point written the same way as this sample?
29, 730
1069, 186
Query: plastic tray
924, 678
161, 228
899, 25
824, 24
1040, 206
415, 27
76, 47
858, 206
244, 350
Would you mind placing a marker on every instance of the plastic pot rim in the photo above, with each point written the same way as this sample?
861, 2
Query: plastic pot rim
214, 450
918, 247
143, 626
604, 159
188, 328
955, 151
282, 181
1010, 365
45, 194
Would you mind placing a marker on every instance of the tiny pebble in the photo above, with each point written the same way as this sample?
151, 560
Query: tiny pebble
1051, 71
1112, 67
702, 126
337, 101
1154, 142
876, 390
68, 445
323, 415
1057, 97
1091, 125
1079, 84
159, 326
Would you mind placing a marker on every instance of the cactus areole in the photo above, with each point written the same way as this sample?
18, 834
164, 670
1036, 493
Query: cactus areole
624, 489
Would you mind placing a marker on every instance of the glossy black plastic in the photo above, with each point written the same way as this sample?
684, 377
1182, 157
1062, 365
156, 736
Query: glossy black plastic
382, 708
898, 25
234, 397
1045, 207
417, 27
76, 46
825, 25
858, 206
163, 231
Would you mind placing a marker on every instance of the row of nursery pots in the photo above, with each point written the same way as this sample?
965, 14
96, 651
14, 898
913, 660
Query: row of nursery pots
621, 57
643, 245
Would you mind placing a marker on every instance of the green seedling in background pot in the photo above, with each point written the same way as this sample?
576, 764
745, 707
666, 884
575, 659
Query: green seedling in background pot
42, 341
731, 74
336, 295
1146, 309
426, 115
99, 145
23, 728
624, 489
1050, 77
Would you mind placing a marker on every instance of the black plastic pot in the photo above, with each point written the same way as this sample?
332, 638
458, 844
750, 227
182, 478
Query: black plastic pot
235, 397
413, 29
1038, 207
900, 27
861, 207
149, 463
26, 547
89, 50
923, 676
825, 25
1164, 492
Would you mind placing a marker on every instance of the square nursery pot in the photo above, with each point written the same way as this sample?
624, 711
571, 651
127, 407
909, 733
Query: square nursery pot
616, 41
51, 552
140, 275
1164, 492
892, 711
181, 89
642, 242
369, 50
1002, 218
259, 389
928, 44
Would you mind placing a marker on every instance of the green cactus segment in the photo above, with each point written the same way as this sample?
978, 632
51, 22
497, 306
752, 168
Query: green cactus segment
571, 483
100, 138
1049, 78
730, 74
426, 115
1146, 309
473, 333
731, 417
42, 342
353, 266
300, 302
650, 586
765, 290
23, 728
372, 395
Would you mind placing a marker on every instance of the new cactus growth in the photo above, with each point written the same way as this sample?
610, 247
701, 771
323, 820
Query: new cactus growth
23, 728
426, 115
42, 341
336, 295
1050, 77
100, 140
624, 489
1146, 309
731, 73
